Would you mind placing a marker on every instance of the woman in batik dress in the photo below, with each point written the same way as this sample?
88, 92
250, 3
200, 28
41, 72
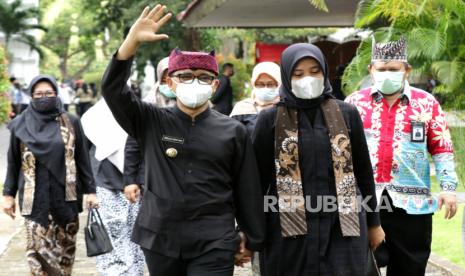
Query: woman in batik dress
49, 170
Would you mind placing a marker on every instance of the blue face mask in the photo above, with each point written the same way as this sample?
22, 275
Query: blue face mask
266, 94
166, 91
388, 82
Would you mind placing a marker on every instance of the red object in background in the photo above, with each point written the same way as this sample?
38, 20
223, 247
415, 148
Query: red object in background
269, 52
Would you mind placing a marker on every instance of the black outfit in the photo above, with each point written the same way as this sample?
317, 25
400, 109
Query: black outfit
134, 165
248, 120
223, 97
40, 132
106, 174
323, 250
217, 262
408, 241
190, 200
83, 107
337, 89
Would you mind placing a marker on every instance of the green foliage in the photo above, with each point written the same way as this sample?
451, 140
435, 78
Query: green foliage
458, 138
119, 15
241, 76
434, 31
5, 105
319, 4
447, 236
70, 54
16, 21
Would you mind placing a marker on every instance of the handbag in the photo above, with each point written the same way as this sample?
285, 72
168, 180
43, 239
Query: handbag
372, 266
96, 236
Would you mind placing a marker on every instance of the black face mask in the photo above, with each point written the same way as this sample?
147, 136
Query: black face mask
45, 104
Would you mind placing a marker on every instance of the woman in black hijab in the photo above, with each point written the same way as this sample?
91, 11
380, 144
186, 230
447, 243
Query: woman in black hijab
311, 152
49, 169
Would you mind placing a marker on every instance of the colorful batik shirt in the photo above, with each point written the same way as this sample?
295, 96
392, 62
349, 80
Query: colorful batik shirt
399, 155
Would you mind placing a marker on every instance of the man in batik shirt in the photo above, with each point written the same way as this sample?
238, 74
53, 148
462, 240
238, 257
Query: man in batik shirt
402, 125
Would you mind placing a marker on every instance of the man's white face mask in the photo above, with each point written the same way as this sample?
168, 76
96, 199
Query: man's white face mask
194, 94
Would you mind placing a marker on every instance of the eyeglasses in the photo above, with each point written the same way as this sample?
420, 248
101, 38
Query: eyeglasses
267, 85
42, 94
188, 78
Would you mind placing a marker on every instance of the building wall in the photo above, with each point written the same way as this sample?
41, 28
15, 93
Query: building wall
24, 63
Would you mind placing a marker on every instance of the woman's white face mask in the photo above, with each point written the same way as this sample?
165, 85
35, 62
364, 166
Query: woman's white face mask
193, 95
266, 94
308, 87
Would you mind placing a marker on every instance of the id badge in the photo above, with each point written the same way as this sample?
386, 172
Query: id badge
417, 132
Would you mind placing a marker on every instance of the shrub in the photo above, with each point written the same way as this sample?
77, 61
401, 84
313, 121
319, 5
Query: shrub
5, 105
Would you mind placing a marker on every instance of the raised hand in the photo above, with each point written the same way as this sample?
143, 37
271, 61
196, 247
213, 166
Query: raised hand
145, 29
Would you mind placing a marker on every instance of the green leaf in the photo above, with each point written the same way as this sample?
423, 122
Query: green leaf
357, 71
450, 73
424, 42
320, 4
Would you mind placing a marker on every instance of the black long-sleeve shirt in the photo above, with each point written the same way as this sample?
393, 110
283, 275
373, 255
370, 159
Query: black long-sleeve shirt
106, 174
190, 200
49, 192
134, 165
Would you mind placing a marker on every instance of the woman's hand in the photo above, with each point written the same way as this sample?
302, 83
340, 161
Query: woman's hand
132, 192
9, 206
92, 201
144, 30
243, 255
375, 236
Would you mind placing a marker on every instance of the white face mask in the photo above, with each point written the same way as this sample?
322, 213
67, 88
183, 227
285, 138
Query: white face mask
266, 94
193, 95
308, 87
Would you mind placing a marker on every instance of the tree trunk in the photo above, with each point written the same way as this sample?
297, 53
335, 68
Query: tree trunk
64, 68
192, 40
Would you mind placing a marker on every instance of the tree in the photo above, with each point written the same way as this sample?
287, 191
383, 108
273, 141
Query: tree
434, 31
16, 21
70, 44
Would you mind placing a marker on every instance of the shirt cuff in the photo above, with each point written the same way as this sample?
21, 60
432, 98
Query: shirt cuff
7, 192
373, 219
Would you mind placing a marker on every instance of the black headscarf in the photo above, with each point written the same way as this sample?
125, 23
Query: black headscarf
40, 132
289, 59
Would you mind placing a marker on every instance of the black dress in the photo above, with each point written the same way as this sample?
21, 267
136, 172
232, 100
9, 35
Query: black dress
323, 250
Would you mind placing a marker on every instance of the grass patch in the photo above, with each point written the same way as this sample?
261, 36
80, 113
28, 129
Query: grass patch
458, 139
447, 237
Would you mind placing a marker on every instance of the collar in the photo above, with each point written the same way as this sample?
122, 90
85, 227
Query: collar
404, 98
188, 118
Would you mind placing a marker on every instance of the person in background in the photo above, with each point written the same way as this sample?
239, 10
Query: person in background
311, 148
117, 213
19, 99
49, 170
337, 83
404, 124
266, 79
65, 95
94, 90
161, 95
223, 97
85, 97
136, 88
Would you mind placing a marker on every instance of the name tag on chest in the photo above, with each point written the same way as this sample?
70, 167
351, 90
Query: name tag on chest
417, 132
172, 139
